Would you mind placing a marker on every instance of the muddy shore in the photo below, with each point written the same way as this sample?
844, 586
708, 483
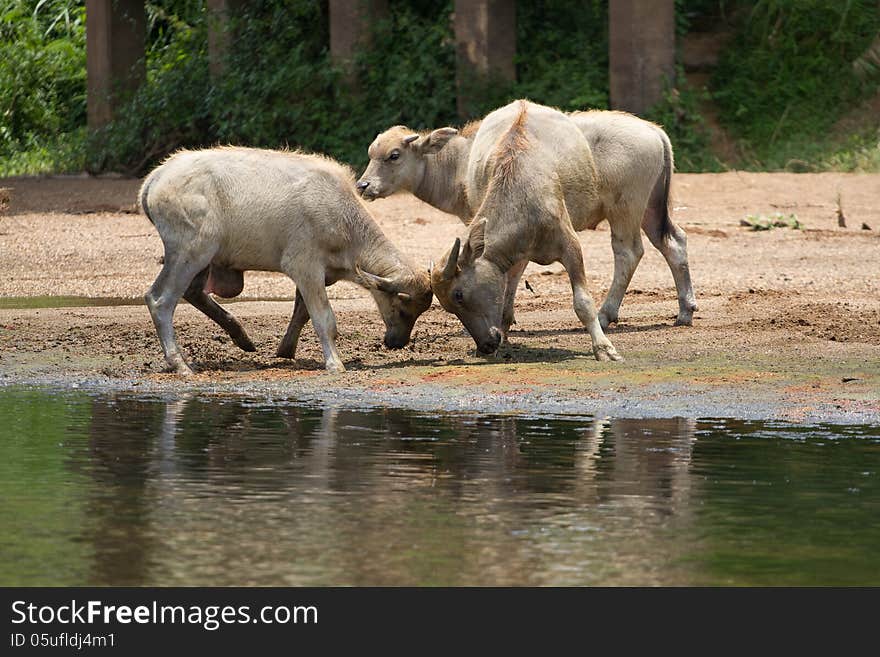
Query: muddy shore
788, 326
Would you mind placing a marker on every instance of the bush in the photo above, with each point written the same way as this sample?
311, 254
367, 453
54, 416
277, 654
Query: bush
282, 90
42, 85
565, 67
788, 74
679, 115
780, 85
407, 77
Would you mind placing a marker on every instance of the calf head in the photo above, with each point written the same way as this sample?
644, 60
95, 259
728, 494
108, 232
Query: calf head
397, 160
472, 288
401, 301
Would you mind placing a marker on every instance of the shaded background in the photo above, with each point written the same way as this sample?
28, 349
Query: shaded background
760, 84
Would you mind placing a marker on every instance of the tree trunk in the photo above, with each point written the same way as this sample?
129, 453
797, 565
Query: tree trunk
641, 52
115, 65
485, 36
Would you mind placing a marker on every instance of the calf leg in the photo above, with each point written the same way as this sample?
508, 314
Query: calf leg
311, 285
198, 298
626, 242
673, 246
287, 348
513, 277
163, 296
573, 261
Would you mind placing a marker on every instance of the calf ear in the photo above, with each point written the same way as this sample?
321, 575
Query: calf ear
476, 243
435, 141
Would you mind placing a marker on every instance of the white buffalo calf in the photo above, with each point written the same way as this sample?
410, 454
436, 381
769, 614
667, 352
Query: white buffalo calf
224, 211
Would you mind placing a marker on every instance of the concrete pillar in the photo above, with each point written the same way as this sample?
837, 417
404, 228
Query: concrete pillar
485, 37
220, 36
641, 52
350, 22
115, 66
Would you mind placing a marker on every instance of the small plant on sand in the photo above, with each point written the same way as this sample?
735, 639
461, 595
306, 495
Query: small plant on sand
776, 220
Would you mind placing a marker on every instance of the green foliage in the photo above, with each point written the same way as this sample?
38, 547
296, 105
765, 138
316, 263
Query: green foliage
280, 87
856, 153
171, 109
276, 90
407, 76
788, 73
42, 84
567, 66
679, 114
792, 68
63, 152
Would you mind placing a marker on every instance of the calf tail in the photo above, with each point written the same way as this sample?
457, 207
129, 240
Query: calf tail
144, 192
660, 195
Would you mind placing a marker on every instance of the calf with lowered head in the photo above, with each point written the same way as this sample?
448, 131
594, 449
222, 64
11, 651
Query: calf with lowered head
223, 211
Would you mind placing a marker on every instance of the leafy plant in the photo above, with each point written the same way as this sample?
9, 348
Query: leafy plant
169, 111
787, 75
566, 66
680, 115
42, 82
777, 220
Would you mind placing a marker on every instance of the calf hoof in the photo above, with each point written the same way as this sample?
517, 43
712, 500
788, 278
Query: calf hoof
335, 368
686, 315
606, 353
183, 370
284, 351
244, 343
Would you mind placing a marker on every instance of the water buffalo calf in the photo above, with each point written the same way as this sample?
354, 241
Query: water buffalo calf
223, 211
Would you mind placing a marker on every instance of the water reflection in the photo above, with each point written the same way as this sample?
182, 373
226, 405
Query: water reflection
211, 491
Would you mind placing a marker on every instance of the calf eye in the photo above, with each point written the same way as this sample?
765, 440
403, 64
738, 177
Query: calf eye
458, 295
394, 155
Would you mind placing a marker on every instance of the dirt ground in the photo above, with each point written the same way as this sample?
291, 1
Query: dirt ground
788, 326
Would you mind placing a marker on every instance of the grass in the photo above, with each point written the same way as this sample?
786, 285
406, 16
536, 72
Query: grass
853, 153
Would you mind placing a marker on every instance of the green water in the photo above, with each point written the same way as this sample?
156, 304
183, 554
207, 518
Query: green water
120, 490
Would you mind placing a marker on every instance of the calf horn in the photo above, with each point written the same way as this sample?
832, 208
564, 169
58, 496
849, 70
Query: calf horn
452, 263
380, 283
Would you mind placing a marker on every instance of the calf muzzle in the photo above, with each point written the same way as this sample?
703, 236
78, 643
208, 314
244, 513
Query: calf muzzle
395, 341
490, 344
